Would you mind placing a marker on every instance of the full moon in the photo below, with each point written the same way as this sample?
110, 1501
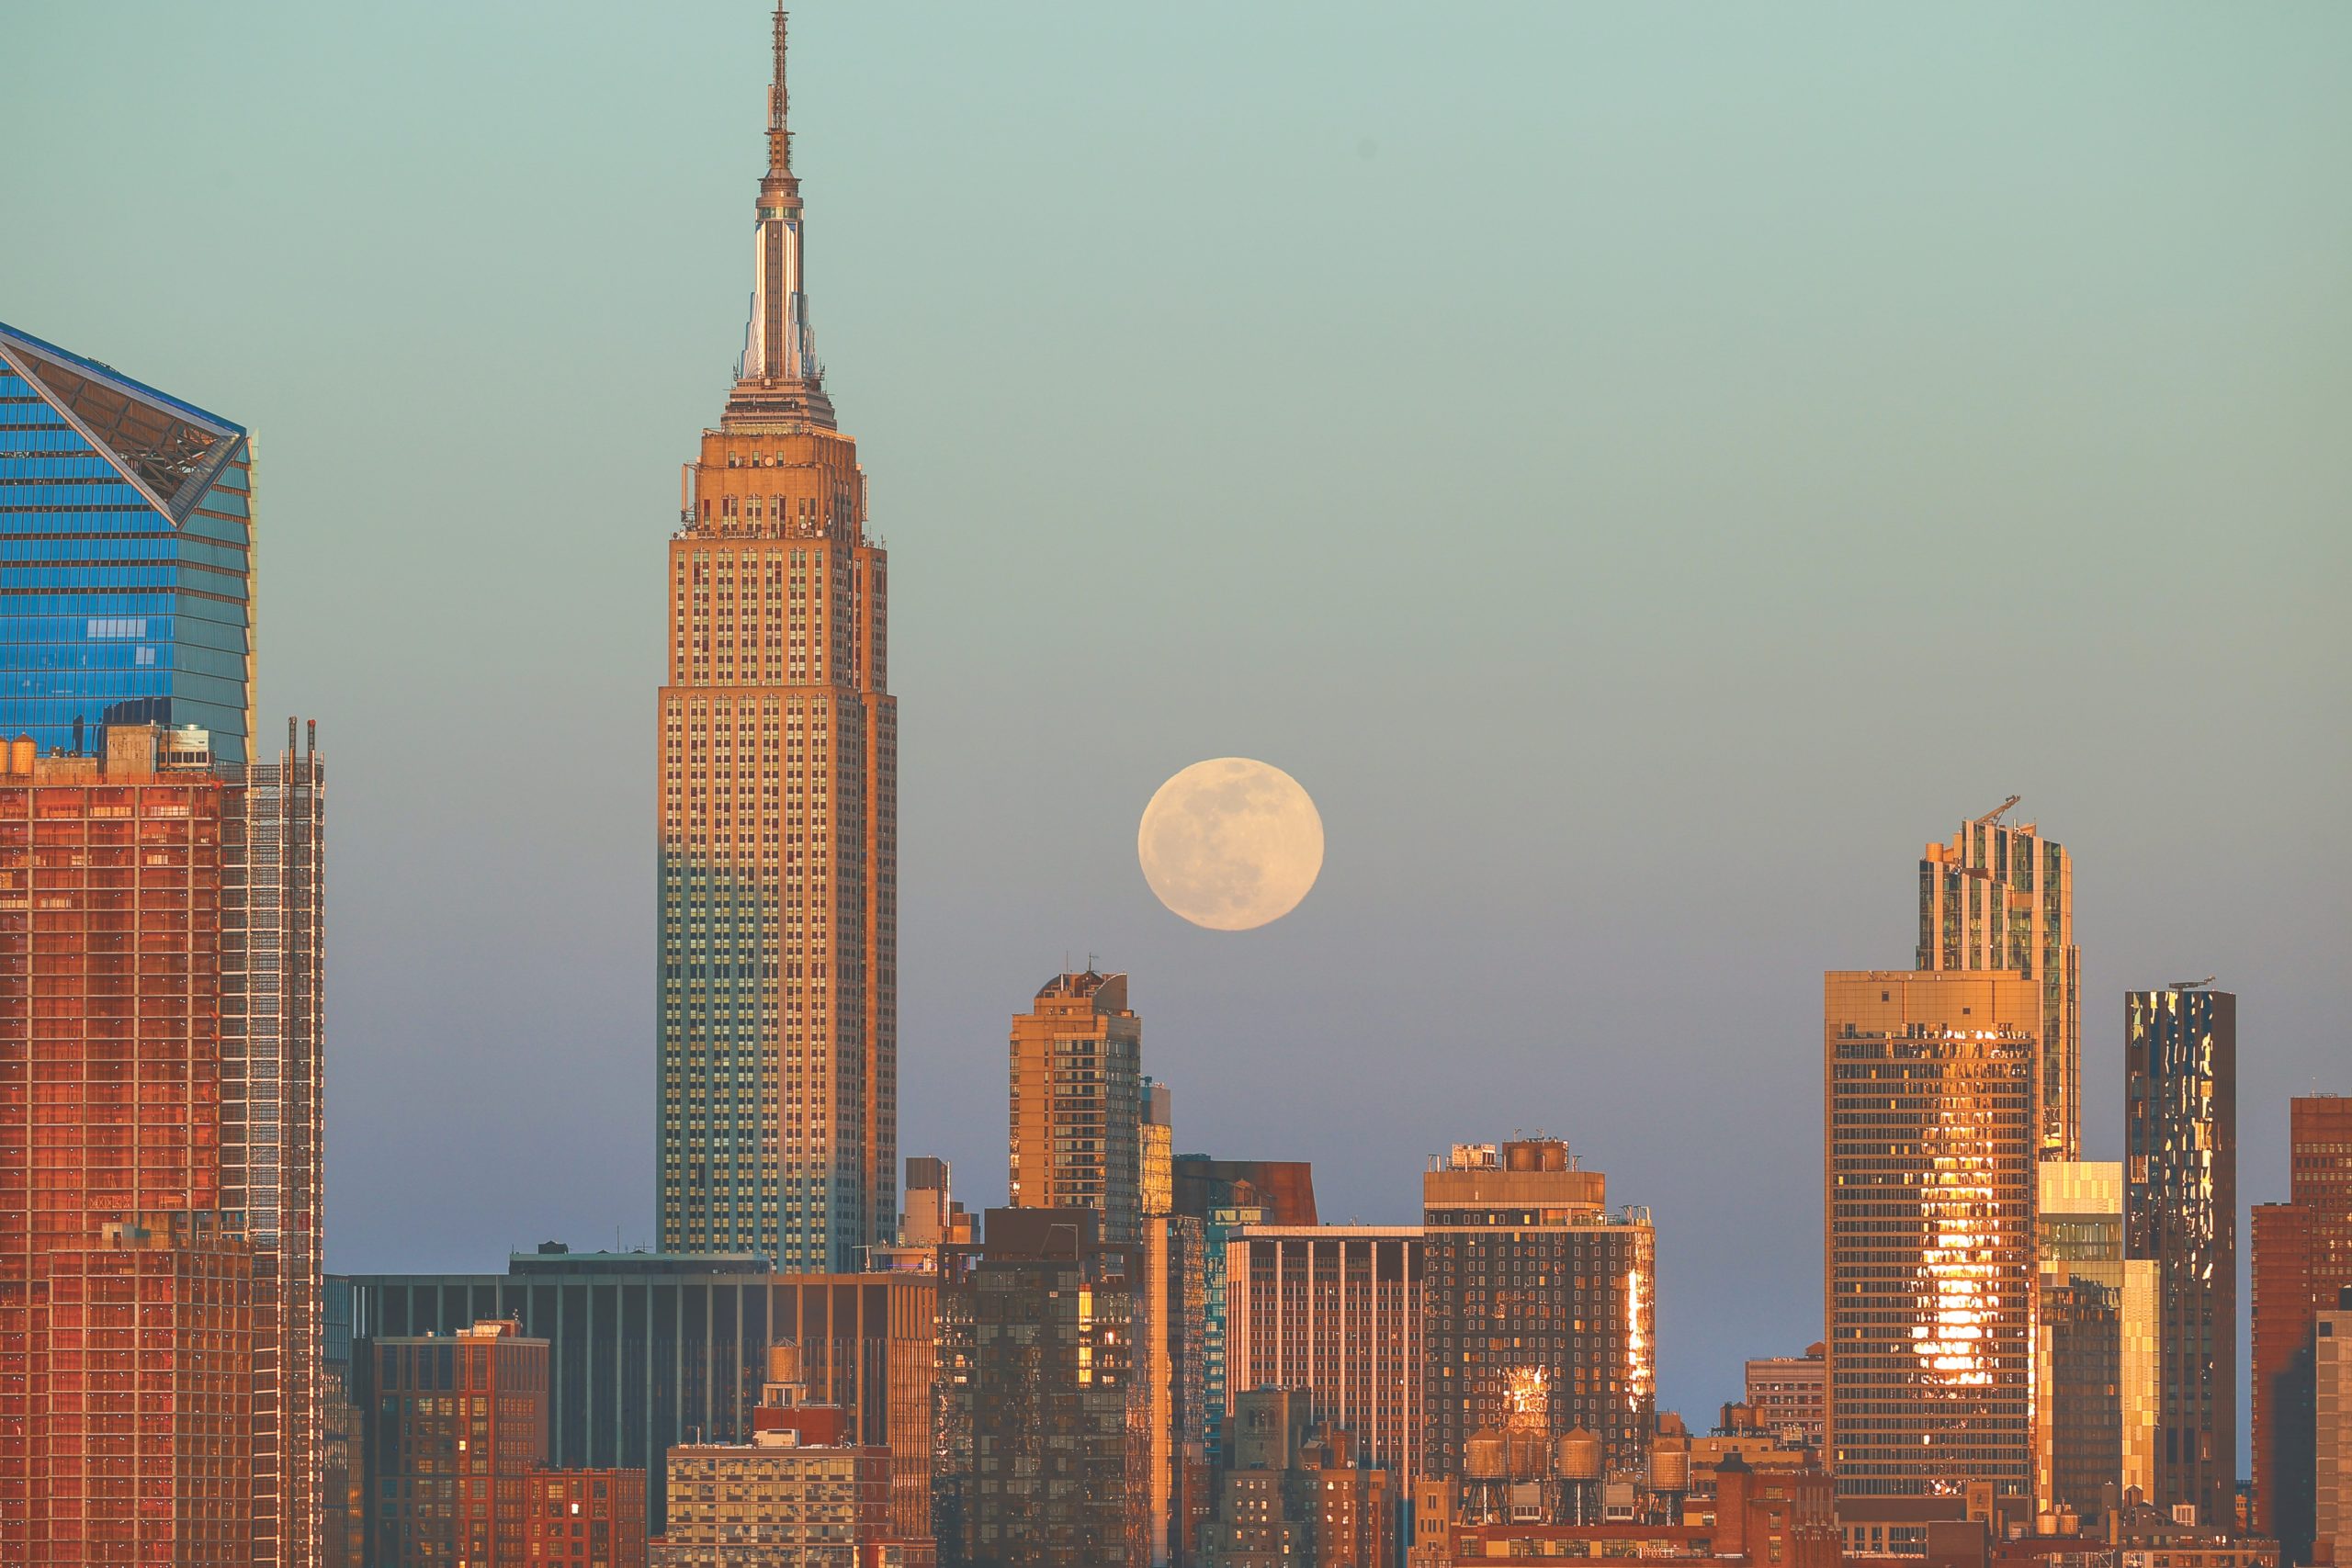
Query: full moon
1230, 843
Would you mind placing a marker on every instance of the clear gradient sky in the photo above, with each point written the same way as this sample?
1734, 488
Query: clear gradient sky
1644, 470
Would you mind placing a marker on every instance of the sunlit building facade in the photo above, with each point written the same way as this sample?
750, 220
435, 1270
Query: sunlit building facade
2001, 899
1076, 1102
1930, 1137
1334, 1311
778, 778
125, 519
1155, 1151
2332, 1432
1788, 1395
460, 1428
2180, 1213
1536, 1296
145, 1446
111, 1082
2096, 1351
2302, 1262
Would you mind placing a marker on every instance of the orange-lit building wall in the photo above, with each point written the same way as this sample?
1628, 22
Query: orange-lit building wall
110, 1069
778, 780
146, 1440
1930, 1118
587, 1519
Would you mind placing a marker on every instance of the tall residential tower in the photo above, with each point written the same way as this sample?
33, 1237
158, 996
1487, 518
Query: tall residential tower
2180, 1206
2002, 898
778, 761
1076, 1105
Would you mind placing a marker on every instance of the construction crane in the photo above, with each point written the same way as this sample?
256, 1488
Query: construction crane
1995, 814
2194, 985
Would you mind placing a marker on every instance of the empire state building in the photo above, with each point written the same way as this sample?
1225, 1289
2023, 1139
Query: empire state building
778, 751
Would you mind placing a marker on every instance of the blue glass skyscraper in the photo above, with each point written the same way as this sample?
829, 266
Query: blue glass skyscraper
126, 557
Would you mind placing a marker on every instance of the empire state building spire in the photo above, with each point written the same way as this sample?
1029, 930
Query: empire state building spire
782, 382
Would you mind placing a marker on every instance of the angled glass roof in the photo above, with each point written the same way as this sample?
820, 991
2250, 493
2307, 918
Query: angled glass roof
172, 449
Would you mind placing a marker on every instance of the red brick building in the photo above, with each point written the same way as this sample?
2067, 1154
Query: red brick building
458, 1440
2303, 1258
587, 1519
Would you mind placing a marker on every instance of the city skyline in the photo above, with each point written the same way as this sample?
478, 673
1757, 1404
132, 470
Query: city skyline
1017, 863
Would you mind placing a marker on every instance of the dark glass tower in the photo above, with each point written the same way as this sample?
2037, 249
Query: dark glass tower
2180, 1213
126, 557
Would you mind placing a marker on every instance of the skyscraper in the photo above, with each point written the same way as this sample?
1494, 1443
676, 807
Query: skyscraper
2180, 1213
1539, 1302
779, 777
1045, 1460
2094, 1356
1077, 1099
129, 516
1336, 1311
2002, 898
1929, 1140
2302, 1261
111, 1082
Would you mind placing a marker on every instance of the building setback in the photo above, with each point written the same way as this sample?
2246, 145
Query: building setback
648, 1351
777, 742
1928, 1145
2180, 1213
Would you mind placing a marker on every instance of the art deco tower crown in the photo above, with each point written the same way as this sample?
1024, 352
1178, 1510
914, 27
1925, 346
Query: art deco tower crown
781, 380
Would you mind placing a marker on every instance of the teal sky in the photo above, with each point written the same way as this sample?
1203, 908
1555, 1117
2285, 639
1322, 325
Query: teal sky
1646, 471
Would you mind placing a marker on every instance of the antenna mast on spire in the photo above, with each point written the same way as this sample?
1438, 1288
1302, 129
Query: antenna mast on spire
779, 106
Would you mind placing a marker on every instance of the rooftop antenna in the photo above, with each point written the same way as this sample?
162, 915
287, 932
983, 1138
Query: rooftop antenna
779, 109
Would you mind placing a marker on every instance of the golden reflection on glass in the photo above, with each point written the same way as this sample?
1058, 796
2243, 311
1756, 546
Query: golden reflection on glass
1957, 1299
1638, 1343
